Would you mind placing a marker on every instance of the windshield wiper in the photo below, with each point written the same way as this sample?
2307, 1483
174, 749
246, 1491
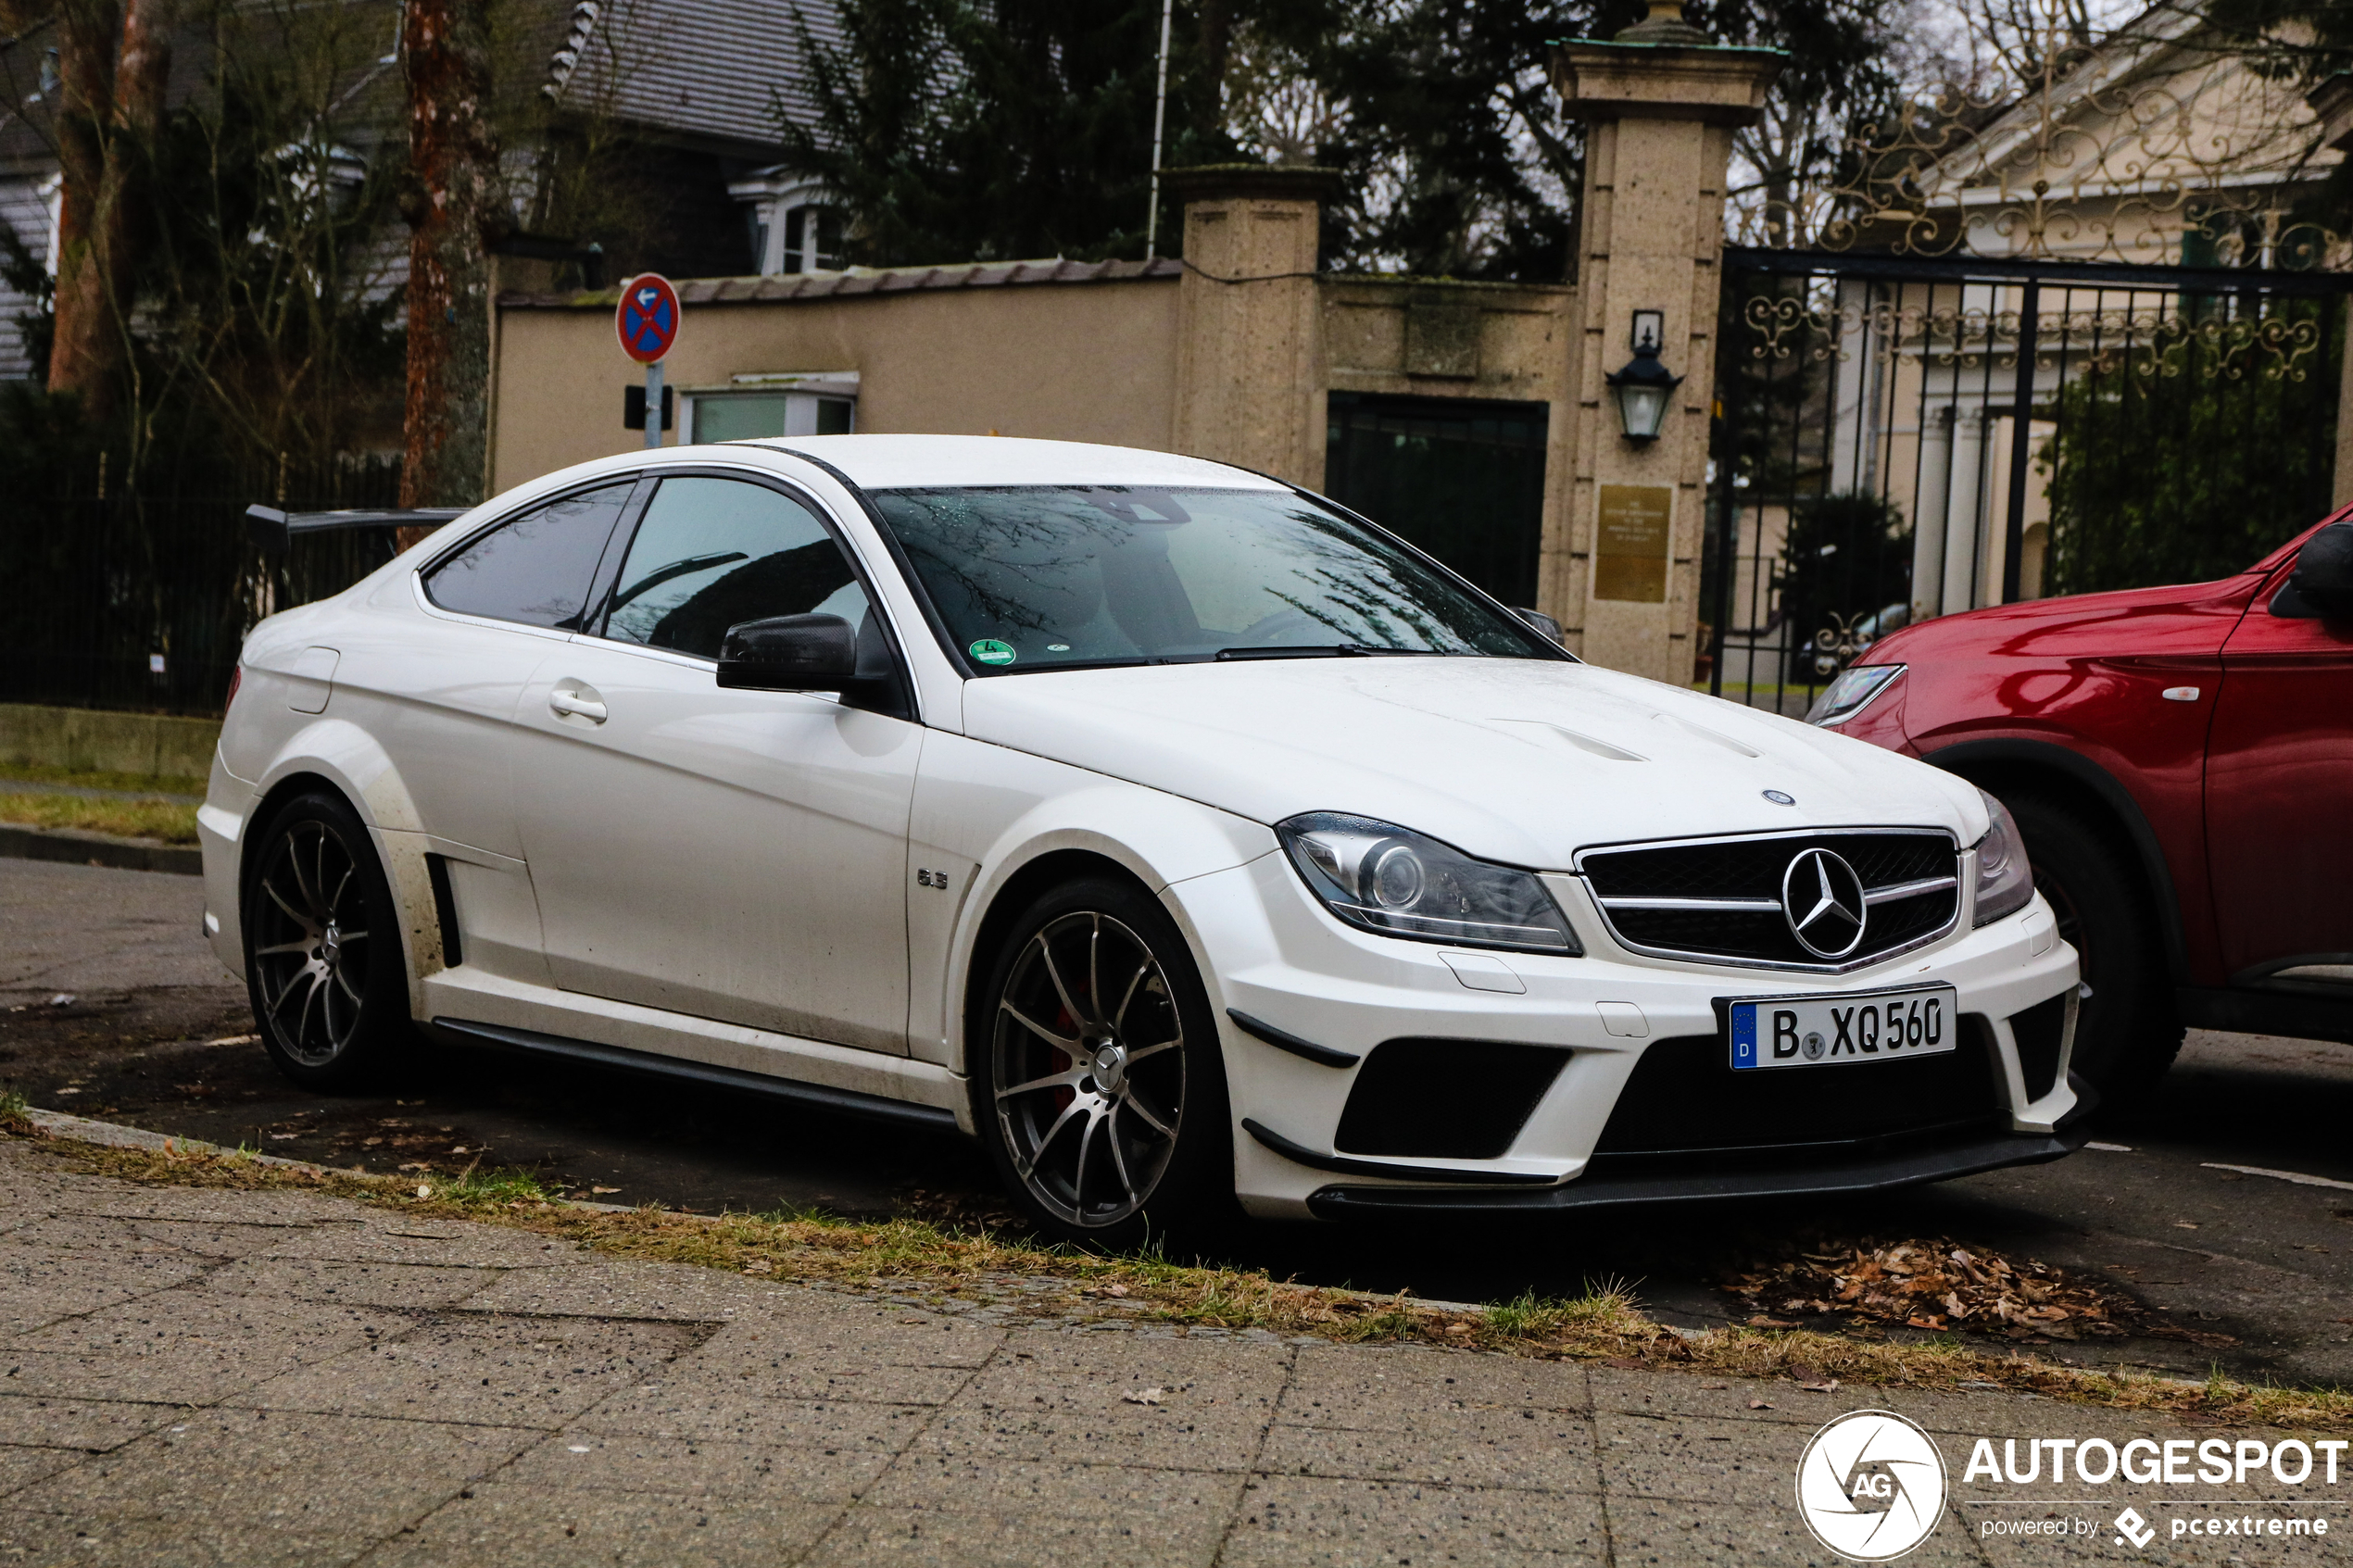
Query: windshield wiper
1317, 650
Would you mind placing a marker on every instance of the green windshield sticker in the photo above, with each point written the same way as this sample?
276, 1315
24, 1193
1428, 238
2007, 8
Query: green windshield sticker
988, 650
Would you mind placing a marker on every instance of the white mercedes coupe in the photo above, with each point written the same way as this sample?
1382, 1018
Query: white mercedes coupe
1177, 833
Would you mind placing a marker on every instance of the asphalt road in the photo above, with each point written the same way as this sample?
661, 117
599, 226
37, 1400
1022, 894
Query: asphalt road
112, 1007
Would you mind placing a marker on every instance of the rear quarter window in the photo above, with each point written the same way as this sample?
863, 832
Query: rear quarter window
533, 569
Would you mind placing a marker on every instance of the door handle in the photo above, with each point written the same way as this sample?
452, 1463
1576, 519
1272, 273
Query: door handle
580, 704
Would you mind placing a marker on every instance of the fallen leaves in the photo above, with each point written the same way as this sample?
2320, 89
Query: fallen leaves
1942, 1286
1813, 1382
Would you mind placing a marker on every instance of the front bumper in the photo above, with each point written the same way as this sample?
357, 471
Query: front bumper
1805, 1170
1293, 973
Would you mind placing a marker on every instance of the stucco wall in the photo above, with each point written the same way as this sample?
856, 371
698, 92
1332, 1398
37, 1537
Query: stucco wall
1092, 361
1506, 341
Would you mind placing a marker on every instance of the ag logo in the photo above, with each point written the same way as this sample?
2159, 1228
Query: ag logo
1870, 1486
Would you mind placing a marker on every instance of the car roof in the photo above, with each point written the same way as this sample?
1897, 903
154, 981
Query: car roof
900, 462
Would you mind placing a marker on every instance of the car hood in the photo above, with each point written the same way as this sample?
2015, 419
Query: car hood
1517, 760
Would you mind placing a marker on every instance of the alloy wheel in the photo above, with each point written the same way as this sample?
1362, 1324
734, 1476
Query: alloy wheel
312, 931
1089, 1054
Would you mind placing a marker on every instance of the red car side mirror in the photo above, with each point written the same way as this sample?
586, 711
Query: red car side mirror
2322, 585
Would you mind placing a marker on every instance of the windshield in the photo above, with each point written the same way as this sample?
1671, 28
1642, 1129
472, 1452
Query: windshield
1039, 577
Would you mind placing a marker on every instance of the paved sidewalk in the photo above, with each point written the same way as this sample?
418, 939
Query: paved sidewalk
254, 1378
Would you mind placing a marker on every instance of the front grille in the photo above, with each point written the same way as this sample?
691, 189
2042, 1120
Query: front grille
1720, 900
1684, 1101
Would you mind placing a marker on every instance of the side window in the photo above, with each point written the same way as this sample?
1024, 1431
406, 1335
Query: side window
536, 568
713, 552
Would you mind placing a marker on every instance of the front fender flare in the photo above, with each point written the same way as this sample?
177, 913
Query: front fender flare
2110, 792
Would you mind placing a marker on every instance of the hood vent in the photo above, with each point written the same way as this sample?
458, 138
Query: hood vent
1590, 745
1700, 733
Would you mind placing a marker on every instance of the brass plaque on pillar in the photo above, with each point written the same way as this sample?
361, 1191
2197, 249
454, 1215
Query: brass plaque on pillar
1629, 547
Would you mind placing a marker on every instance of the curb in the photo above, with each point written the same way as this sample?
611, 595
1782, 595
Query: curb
114, 1134
73, 847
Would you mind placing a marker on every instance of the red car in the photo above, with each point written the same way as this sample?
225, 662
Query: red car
2180, 761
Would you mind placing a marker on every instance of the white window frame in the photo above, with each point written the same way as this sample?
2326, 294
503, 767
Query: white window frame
812, 386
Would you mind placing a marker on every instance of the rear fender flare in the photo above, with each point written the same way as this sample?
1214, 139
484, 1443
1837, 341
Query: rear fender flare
348, 759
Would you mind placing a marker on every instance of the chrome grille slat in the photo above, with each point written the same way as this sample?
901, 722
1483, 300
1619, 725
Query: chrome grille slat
1894, 891
1717, 900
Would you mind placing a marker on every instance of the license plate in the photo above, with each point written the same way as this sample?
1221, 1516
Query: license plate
1825, 1031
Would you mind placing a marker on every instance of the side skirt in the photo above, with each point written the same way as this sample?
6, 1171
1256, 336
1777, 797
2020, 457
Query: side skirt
2299, 1015
848, 1102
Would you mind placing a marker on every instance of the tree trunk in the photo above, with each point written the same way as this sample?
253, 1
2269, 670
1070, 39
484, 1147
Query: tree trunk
1216, 47
452, 206
109, 115
84, 357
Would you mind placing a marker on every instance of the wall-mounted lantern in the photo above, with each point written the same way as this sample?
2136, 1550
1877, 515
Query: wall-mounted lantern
1644, 388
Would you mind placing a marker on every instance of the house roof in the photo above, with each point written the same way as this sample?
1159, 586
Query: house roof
2148, 108
715, 69
860, 282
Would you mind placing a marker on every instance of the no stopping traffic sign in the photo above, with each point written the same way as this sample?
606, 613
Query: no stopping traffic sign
648, 319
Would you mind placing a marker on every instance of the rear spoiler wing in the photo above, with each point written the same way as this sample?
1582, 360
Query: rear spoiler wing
272, 528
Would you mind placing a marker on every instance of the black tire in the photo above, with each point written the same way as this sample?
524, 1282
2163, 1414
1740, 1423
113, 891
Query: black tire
1099, 1149
324, 964
2128, 1030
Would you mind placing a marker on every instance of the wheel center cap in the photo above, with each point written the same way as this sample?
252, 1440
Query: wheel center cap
1111, 1062
330, 944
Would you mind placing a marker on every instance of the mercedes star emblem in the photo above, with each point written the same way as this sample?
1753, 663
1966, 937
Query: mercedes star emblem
1822, 899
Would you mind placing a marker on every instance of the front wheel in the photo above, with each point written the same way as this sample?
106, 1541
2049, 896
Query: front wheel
2128, 1030
322, 948
1099, 1085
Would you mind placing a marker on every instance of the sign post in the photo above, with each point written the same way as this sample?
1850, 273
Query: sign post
647, 323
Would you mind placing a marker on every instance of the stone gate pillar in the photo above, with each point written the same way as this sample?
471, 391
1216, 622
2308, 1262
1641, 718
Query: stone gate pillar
1250, 357
1660, 104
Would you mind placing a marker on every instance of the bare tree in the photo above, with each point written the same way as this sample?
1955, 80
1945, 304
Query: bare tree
113, 62
455, 210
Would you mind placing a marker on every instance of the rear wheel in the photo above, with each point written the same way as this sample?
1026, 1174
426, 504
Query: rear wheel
322, 948
1099, 1088
2128, 1030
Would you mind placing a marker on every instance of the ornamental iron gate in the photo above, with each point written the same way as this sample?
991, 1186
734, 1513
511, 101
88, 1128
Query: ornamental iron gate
1903, 437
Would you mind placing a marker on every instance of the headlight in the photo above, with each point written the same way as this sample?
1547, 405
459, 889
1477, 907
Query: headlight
1851, 692
2004, 882
1382, 878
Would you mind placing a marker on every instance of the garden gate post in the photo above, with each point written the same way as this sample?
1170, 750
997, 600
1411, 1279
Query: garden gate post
1660, 102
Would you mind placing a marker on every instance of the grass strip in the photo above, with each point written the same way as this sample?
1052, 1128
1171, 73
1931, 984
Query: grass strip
165, 819
806, 1247
86, 778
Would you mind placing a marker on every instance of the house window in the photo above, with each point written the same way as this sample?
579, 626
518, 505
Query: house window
744, 416
812, 239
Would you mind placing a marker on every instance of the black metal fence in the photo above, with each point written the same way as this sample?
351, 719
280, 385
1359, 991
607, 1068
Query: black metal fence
141, 601
1898, 438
